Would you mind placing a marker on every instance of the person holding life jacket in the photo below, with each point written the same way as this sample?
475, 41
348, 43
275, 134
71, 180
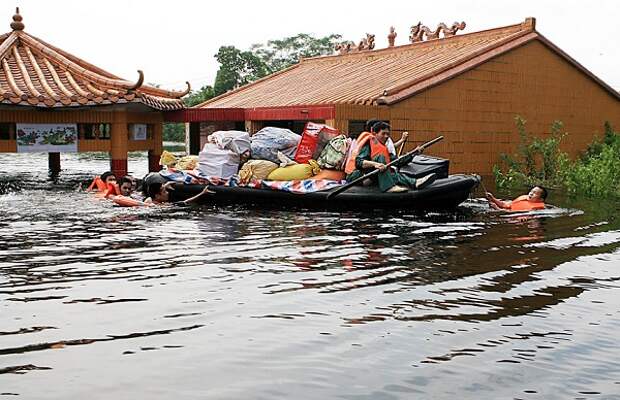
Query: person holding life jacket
105, 185
534, 200
371, 153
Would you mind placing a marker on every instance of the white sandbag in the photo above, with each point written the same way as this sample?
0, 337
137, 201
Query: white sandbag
217, 162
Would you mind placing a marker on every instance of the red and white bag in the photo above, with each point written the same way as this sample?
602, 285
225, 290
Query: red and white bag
313, 140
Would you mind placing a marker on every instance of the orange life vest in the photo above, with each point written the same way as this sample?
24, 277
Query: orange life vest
111, 189
522, 203
376, 148
97, 184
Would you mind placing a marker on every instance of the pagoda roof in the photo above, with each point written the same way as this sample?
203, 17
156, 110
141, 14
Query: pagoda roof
385, 76
35, 73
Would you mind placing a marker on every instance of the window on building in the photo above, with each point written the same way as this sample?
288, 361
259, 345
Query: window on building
357, 126
7, 131
94, 131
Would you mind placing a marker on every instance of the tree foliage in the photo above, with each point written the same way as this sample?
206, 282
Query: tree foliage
282, 53
238, 67
199, 96
174, 132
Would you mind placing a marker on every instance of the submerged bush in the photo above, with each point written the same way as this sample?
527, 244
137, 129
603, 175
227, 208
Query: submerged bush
540, 161
598, 176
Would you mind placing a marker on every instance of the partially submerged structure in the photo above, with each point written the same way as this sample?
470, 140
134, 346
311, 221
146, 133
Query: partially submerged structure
52, 101
467, 87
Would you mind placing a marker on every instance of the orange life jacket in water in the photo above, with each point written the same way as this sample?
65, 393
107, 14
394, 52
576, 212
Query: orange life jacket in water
104, 190
376, 148
98, 184
522, 203
112, 190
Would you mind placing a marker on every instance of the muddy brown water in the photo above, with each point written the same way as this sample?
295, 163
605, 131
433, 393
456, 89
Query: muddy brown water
101, 302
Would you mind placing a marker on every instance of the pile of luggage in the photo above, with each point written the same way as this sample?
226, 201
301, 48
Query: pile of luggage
276, 154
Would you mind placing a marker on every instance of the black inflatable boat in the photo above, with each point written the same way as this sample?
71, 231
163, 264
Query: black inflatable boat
447, 192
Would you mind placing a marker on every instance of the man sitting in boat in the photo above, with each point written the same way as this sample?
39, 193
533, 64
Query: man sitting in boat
371, 153
534, 200
391, 146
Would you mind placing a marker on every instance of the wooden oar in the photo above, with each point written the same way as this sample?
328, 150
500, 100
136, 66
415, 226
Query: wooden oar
418, 149
401, 147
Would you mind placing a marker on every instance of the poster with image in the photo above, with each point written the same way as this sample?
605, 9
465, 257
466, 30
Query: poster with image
47, 138
138, 132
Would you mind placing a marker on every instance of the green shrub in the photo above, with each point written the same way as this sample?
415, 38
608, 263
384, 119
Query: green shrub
597, 173
540, 161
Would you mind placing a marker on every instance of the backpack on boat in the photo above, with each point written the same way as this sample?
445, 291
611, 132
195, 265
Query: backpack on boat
334, 154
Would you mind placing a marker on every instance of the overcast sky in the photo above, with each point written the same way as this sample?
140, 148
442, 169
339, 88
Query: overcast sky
174, 40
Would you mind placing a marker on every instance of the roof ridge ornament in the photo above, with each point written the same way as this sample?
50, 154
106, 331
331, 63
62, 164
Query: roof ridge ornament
139, 82
17, 24
392, 37
420, 33
367, 43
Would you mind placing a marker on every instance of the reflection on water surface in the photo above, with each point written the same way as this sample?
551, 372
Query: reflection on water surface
102, 302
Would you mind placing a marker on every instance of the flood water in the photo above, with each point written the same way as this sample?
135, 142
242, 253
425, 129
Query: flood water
101, 302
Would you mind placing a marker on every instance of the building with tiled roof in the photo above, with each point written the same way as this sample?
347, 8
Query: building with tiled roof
467, 87
41, 84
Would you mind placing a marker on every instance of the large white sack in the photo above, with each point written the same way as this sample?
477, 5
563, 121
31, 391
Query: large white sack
268, 141
236, 141
214, 161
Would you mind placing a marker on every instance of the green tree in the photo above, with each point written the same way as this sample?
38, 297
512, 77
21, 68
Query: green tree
174, 132
199, 96
237, 68
282, 53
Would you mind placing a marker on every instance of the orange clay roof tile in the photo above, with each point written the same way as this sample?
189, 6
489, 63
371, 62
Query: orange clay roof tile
383, 76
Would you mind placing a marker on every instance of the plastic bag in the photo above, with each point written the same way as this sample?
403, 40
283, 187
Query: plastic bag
216, 162
167, 159
313, 140
335, 153
236, 141
268, 141
187, 163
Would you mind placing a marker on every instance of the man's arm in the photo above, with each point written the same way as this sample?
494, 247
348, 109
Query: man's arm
496, 203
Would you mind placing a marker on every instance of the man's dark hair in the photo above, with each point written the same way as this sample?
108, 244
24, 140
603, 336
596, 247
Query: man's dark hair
370, 123
153, 189
544, 193
125, 179
107, 174
380, 125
